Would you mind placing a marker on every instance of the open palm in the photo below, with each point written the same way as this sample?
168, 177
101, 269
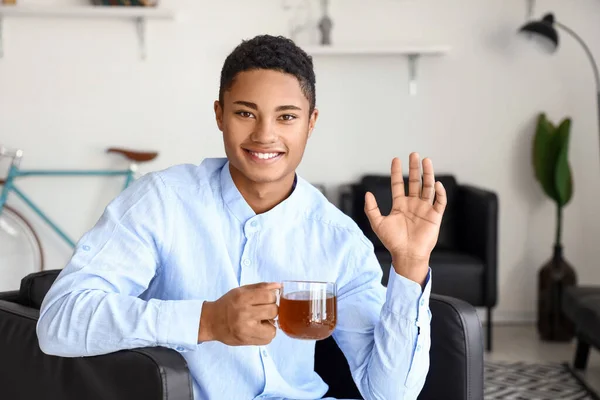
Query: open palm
411, 230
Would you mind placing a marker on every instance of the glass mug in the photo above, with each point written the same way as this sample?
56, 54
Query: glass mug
307, 310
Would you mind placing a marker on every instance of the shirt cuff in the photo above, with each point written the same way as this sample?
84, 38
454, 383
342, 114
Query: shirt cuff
406, 298
178, 323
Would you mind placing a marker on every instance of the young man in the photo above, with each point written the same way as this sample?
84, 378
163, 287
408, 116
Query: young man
189, 257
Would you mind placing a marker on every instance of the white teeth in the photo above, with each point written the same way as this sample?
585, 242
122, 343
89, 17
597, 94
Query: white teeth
264, 156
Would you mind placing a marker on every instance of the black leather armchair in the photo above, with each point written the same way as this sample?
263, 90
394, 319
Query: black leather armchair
464, 261
456, 371
581, 304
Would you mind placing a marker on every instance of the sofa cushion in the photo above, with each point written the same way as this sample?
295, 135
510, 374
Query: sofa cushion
35, 286
380, 186
453, 274
581, 304
573, 298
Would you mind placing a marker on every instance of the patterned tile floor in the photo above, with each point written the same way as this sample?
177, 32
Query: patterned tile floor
519, 380
521, 343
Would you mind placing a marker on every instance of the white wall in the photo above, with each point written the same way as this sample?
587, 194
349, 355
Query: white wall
70, 88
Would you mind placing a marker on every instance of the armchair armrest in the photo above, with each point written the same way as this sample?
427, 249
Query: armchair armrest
478, 233
10, 296
456, 366
155, 373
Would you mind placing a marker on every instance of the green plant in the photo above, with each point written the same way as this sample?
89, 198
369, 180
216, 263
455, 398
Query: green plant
551, 164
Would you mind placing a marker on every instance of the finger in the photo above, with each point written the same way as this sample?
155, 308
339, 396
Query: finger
428, 181
263, 285
264, 333
440, 198
414, 175
258, 297
265, 312
398, 190
372, 210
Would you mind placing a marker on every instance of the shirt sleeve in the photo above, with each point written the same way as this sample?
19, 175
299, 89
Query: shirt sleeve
384, 334
93, 306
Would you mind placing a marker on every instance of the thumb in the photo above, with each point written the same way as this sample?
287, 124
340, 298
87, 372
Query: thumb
372, 210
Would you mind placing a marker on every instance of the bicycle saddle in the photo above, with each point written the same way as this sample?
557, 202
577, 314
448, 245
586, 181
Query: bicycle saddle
138, 156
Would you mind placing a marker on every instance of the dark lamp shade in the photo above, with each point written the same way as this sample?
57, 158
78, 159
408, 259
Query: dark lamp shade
543, 29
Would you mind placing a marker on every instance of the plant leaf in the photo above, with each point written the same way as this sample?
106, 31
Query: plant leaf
545, 152
563, 179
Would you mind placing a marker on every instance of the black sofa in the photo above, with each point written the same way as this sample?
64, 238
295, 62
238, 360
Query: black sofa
456, 371
581, 304
464, 261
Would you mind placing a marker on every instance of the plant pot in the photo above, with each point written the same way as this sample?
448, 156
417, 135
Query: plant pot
554, 276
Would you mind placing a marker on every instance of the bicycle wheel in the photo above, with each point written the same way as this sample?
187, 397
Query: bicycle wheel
20, 249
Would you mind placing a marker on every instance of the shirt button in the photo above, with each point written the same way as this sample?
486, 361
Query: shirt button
419, 347
179, 348
264, 353
253, 223
246, 262
422, 301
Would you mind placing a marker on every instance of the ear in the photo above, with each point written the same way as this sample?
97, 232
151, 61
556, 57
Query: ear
312, 121
219, 114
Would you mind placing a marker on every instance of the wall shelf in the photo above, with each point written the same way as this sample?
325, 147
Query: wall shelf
138, 15
413, 53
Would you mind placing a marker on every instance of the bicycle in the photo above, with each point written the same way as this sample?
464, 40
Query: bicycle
20, 245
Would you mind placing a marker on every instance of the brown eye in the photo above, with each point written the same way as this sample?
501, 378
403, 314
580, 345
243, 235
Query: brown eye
288, 117
244, 114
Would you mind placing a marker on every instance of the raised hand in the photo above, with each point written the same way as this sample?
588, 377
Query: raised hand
411, 230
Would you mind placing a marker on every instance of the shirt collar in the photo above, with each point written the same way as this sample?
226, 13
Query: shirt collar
243, 212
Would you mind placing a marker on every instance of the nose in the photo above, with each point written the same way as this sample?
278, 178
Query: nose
264, 132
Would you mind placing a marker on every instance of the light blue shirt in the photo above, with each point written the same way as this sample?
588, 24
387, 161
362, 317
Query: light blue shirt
185, 235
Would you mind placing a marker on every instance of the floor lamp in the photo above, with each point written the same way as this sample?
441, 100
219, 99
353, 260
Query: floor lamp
550, 316
545, 29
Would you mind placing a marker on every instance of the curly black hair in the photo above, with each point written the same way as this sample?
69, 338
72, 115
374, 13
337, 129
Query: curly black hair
270, 52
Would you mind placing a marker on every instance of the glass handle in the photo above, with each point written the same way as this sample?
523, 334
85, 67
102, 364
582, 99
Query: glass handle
275, 321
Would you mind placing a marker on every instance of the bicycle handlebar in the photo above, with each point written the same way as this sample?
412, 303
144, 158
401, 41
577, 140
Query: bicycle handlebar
13, 153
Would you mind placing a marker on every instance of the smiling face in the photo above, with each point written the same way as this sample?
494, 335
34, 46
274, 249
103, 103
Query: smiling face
266, 121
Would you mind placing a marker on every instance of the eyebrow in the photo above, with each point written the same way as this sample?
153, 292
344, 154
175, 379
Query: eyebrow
253, 106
